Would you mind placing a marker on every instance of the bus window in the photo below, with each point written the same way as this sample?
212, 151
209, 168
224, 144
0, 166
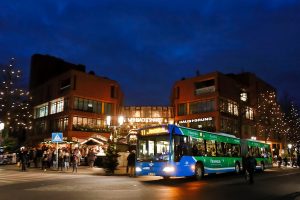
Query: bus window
198, 146
151, 148
142, 149
162, 150
236, 150
228, 149
211, 148
220, 149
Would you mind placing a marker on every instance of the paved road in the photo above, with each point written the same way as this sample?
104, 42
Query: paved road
281, 184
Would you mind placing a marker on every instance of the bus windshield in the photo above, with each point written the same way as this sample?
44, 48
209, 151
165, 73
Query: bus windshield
154, 148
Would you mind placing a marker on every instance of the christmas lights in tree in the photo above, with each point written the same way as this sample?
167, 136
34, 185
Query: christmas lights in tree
270, 119
293, 119
14, 102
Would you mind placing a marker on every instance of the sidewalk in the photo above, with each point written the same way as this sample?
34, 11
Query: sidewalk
121, 171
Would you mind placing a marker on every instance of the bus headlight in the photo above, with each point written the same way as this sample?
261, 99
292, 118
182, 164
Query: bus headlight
169, 169
193, 167
138, 169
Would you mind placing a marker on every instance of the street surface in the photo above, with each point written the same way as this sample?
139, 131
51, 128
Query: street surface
277, 184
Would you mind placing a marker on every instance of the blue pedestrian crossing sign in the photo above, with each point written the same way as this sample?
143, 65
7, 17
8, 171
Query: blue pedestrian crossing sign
57, 137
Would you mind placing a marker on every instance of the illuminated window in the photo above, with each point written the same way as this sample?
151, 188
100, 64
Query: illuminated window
249, 113
244, 96
41, 110
57, 106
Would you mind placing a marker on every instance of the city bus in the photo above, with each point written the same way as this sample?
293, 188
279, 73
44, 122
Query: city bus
260, 151
171, 150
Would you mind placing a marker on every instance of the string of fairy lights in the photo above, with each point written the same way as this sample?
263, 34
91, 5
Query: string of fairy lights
293, 119
14, 101
271, 121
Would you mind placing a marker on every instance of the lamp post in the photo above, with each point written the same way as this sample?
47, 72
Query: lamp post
1, 129
290, 153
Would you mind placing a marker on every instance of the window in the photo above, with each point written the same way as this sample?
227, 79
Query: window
112, 91
228, 106
65, 84
229, 125
108, 108
182, 109
198, 147
201, 107
177, 93
41, 110
204, 87
57, 106
249, 113
87, 105
211, 148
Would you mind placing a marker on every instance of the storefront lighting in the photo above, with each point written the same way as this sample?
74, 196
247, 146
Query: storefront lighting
120, 120
108, 120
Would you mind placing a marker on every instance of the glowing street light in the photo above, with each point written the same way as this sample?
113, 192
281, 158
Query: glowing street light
108, 120
120, 120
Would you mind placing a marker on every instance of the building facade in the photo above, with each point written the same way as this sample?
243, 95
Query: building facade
77, 104
221, 103
140, 116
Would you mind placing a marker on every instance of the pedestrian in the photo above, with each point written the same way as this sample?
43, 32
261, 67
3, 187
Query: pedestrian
45, 161
23, 159
250, 163
131, 163
279, 161
61, 162
285, 160
91, 158
74, 161
67, 160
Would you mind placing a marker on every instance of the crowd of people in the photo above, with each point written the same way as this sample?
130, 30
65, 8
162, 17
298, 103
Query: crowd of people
49, 157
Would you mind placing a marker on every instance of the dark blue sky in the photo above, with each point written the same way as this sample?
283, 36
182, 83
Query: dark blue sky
148, 45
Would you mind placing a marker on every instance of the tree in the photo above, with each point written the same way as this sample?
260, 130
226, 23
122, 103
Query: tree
293, 119
14, 104
111, 160
270, 120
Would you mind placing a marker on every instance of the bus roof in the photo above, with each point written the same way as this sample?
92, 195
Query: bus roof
256, 143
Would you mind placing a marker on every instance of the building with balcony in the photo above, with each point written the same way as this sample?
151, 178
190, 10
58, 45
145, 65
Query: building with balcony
221, 103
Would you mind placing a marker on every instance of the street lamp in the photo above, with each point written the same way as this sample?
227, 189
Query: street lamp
290, 148
108, 120
120, 120
1, 129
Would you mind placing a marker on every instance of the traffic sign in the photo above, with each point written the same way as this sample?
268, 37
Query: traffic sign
57, 137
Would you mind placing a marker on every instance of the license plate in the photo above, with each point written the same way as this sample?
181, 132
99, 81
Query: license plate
151, 174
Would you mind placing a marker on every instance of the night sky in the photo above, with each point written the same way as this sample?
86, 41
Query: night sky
148, 45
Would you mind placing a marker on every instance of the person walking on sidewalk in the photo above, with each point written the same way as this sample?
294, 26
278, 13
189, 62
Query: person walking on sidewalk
250, 163
23, 159
131, 163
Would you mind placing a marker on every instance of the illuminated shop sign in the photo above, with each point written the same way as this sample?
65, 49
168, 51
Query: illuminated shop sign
195, 120
144, 120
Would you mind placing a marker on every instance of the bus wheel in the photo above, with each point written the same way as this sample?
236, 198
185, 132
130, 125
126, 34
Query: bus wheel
199, 172
237, 168
262, 167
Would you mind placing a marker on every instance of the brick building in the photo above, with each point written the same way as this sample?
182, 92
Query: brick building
220, 103
73, 102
